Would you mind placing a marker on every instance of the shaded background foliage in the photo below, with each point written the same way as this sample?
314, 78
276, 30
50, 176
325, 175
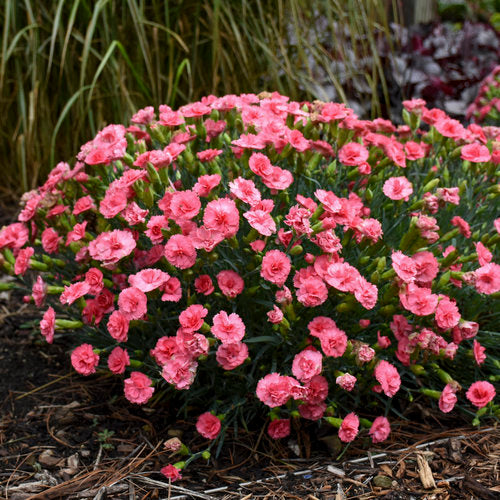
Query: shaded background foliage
69, 67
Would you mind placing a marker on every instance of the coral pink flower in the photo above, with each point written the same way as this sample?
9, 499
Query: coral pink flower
388, 377
487, 278
306, 364
83, 204
316, 389
208, 154
404, 266
172, 290
208, 425
279, 179
245, 190
414, 150
274, 389
475, 153
180, 252
228, 328
312, 411
365, 353
138, 388
484, 256
353, 154
50, 240
206, 239
118, 360
383, 341
279, 428
39, 291
164, 349
380, 429
23, 260
203, 284
171, 472
261, 221
74, 292
448, 399
320, 325
312, 292
479, 352
47, 325
133, 303
366, 293
398, 188
223, 216
342, 276
113, 202
112, 246
231, 355
14, 235
84, 360
449, 127
77, 233
180, 371
349, 428
275, 316
463, 225
260, 164
447, 314
420, 301
481, 393
230, 283
94, 278
118, 325
155, 225
148, 279
275, 267
427, 268
346, 381
134, 214
205, 184
184, 205
191, 319
333, 342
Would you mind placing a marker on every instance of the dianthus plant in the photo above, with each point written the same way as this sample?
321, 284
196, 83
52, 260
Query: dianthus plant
486, 106
253, 253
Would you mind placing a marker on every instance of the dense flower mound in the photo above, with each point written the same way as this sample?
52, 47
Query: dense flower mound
486, 106
249, 251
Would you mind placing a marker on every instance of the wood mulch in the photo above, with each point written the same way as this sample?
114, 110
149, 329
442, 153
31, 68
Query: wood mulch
71, 437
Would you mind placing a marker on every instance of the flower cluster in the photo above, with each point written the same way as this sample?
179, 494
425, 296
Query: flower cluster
486, 106
251, 244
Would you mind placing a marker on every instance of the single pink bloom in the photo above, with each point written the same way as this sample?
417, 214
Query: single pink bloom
380, 429
118, 360
138, 388
171, 472
388, 377
230, 283
231, 355
398, 188
118, 325
47, 325
448, 398
133, 303
84, 360
279, 428
481, 393
349, 428
208, 425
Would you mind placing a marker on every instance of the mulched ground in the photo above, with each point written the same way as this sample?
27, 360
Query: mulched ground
72, 437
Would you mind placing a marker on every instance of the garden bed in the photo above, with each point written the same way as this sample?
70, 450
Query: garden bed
66, 436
